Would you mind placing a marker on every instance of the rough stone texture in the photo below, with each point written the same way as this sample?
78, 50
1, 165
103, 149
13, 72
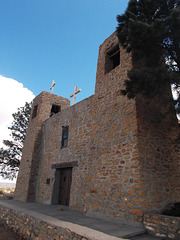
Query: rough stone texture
40, 227
127, 164
27, 178
35, 229
162, 226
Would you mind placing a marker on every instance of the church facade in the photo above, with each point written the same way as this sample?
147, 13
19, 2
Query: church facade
106, 155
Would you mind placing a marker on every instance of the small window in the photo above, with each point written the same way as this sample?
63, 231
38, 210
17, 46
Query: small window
65, 131
34, 114
48, 181
55, 109
112, 59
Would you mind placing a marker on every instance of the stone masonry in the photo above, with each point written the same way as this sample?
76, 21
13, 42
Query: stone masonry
27, 178
33, 226
121, 151
162, 226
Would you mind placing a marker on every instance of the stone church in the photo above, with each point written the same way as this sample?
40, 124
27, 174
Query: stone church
106, 155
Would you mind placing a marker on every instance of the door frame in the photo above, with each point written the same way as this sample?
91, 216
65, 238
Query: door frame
56, 185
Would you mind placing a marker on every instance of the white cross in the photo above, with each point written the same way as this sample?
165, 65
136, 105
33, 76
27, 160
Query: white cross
52, 86
74, 94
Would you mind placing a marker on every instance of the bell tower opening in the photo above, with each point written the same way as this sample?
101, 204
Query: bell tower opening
55, 109
112, 59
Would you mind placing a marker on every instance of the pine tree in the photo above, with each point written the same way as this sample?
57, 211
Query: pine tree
11, 155
150, 30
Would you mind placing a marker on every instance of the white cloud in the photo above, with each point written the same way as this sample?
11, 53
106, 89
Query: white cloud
12, 96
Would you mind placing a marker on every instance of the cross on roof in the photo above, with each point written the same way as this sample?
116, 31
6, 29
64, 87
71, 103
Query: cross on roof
74, 94
52, 86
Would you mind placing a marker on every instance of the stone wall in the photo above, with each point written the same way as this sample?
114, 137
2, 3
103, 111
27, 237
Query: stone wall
162, 226
27, 177
39, 227
159, 159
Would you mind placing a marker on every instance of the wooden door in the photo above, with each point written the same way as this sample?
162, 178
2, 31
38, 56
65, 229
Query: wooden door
65, 186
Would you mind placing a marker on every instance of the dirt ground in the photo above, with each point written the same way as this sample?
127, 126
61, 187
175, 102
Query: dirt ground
7, 234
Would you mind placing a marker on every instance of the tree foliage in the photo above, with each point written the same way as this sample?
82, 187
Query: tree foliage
10, 156
150, 30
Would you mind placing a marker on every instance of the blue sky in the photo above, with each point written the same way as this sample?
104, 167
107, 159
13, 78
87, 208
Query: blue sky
43, 40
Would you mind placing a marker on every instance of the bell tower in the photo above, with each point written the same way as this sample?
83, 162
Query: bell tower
45, 105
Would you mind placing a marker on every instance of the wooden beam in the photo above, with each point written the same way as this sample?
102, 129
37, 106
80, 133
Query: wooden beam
65, 165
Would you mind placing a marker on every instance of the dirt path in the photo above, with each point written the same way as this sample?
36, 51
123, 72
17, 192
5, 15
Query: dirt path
7, 234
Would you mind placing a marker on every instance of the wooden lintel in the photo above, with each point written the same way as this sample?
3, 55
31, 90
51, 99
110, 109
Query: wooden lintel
65, 165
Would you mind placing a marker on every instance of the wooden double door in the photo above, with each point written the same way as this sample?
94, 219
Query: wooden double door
65, 185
